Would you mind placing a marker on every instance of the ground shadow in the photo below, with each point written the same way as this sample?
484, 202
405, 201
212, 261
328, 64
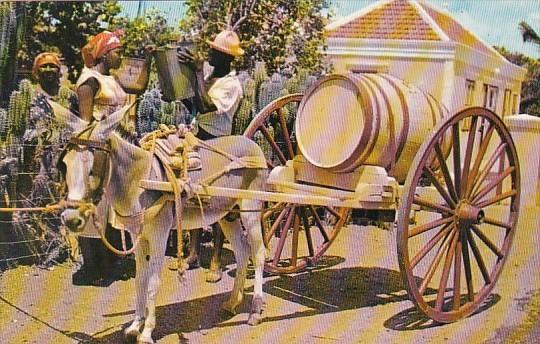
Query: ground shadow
412, 319
322, 291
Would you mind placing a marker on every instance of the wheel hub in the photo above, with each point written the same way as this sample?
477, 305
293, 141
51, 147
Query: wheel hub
468, 214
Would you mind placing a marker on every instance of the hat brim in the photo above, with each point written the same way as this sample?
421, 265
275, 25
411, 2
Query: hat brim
234, 52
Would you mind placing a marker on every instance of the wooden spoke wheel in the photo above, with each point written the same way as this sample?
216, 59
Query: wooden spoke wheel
296, 235
452, 253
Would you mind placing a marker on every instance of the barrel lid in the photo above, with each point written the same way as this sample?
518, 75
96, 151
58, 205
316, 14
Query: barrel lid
329, 121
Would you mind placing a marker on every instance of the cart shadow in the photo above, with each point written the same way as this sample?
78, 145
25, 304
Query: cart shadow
412, 319
322, 291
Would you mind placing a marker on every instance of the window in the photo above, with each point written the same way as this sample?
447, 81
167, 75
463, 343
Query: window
507, 102
469, 89
490, 97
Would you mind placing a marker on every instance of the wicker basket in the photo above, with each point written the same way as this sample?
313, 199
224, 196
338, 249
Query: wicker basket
175, 79
133, 74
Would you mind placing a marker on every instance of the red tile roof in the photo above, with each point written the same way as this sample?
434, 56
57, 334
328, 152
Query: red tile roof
398, 19
454, 30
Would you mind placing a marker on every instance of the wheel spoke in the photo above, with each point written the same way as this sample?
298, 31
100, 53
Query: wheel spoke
477, 179
491, 185
486, 241
334, 213
457, 157
497, 223
467, 266
277, 223
296, 230
439, 187
319, 224
457, 276
499, 198
307, 229
436, 261
446, 172
484, 143
432, 206
429, 245
445, 274
430, 225
468, 154
478, 257
285, 132
283, 236
274, 145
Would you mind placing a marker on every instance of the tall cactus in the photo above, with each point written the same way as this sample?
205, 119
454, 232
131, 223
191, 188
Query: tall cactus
3, 125
270, 90
19, 107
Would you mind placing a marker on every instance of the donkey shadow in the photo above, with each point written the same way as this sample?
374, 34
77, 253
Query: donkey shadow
322, 291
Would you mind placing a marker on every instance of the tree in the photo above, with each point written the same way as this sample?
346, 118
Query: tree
12, 27
285, 34
64, 27
530, 91
528, 33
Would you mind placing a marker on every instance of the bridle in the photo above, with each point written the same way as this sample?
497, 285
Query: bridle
101, 167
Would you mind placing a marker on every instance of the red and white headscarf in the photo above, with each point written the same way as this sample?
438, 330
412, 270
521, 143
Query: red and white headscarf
99, 45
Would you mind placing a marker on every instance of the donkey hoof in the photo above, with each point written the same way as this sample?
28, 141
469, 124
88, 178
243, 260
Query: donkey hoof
131, 333
145, 340
255, 319
228, 310
213, 276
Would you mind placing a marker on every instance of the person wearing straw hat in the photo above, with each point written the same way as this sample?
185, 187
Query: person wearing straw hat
217, 97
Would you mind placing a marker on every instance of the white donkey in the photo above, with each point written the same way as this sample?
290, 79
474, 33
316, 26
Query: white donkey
130, 164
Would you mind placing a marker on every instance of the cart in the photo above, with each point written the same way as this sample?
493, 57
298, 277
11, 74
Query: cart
372, 143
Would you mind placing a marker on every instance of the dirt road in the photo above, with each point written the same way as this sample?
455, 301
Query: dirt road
354, 296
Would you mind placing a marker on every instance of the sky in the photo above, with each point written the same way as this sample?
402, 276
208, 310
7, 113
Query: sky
493, 21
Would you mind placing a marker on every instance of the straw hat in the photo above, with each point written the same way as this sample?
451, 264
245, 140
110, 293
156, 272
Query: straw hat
228, 42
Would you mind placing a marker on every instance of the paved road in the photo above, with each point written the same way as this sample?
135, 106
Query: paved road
355, 296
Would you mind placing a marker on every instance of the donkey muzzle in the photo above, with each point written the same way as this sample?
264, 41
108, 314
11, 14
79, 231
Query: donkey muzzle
73, 220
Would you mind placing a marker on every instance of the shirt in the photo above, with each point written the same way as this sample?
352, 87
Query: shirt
226, 93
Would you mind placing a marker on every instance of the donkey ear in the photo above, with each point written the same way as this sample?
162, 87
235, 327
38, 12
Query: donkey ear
64, 116
109, 123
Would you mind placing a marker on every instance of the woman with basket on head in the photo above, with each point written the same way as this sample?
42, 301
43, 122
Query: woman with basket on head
100, 94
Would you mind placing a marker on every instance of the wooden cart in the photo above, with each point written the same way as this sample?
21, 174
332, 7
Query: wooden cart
373, 143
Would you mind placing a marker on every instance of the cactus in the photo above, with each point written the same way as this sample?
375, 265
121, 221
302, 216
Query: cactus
250, 90
270, 90
3, 124
264, 144
242, 117
65, 94
19, 107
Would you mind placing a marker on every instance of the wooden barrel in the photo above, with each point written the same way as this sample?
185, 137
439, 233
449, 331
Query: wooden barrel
348, 120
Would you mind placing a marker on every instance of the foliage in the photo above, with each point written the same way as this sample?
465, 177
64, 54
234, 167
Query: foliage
528, 33
64, 27
285, 34
150, 29
530, 91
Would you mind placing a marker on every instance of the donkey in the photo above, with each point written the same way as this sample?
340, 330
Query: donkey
128, 165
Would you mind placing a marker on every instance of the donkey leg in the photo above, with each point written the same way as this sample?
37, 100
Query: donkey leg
252, 224
214, 274
233, 231
141, 282
155, 263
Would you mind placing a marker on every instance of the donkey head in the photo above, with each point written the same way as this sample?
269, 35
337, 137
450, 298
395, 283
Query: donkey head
86, 166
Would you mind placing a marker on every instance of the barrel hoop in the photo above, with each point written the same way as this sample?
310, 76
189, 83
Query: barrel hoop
364, 139
430, 103
392, 124
406, 117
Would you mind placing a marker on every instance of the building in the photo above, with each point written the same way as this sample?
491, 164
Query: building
428, 48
